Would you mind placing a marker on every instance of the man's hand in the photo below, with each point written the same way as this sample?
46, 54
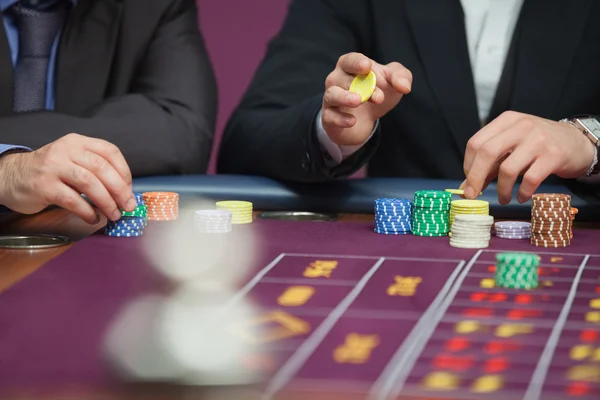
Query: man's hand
518, 144
58, 173
346, 120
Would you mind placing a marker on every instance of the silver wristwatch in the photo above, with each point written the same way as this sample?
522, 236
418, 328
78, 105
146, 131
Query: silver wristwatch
590, 127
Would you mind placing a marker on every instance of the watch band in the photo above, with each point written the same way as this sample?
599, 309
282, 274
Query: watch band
594, 168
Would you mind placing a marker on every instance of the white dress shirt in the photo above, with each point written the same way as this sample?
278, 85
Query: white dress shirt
490, 25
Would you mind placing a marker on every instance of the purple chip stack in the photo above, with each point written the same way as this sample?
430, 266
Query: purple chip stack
513, 229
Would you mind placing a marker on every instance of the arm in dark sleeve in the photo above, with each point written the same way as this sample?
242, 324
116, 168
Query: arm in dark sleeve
165, 125
272, 133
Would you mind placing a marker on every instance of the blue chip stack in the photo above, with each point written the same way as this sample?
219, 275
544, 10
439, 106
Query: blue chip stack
131, 224
393, 216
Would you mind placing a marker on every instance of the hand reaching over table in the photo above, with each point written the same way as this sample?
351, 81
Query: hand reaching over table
518, 144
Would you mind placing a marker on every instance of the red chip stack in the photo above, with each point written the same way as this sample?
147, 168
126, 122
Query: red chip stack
162, 206
551, 220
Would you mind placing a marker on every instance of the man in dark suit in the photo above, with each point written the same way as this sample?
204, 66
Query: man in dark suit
130, 78
442, 112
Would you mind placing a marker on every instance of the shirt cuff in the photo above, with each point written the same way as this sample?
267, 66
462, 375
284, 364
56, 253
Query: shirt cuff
337, 153
5, 148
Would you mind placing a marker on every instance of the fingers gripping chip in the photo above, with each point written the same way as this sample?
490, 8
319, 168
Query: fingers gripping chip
364, 85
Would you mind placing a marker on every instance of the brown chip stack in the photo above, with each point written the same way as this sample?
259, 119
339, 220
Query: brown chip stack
551, 220
574, 212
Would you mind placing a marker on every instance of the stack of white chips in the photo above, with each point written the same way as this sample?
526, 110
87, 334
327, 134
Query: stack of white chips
471, 231
213, 221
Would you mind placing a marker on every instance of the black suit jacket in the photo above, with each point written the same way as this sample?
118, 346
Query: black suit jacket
133, 72
553, 72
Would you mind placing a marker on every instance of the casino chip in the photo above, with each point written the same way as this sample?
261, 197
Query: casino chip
162, 206
393, 216
131, 224
513, 230
478, 207
430, 214
213, 221
364, 85
241, 211
517, 270
471, 231
551, 220
460, 192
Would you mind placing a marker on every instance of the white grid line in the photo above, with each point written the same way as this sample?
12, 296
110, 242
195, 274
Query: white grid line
309, 281
306, 350
408, 343
400, 373
547, 265
534, 390
254, 281
537, 252
450, 260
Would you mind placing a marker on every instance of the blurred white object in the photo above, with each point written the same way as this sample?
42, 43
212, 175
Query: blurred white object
179, 252
133, 343
187, 339
199, 333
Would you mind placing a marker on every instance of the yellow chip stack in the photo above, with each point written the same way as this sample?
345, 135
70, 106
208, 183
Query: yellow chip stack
479, 207
241, 211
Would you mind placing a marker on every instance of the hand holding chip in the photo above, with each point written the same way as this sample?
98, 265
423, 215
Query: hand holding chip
516, 144
346, 118
58, 173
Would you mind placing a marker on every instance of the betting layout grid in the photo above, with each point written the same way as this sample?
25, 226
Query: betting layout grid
376, 332
468, 223
164, 207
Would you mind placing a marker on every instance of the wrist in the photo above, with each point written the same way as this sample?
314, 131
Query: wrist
7, 168
590, 144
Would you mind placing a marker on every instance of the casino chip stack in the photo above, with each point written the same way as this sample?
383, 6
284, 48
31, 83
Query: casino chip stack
479, 207
131, 224
162, 206
470, 231
393, 216
551, 220
513, 230
574, 212
430, 214
241, 211
517, 270
212, 221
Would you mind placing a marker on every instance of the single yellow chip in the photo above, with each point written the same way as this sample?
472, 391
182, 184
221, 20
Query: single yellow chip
364, 85
459, 191
470, 204
455, 191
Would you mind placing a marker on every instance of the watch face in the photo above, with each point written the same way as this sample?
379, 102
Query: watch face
593, 125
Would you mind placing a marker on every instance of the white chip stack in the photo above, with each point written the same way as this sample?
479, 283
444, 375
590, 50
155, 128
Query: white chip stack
471, 231
213, 221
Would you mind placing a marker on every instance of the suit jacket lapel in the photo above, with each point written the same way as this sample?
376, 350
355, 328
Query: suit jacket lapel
6, 75
439, 31
550, 35
85, 54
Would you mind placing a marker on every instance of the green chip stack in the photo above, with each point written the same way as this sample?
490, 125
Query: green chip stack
517, 270
431, 213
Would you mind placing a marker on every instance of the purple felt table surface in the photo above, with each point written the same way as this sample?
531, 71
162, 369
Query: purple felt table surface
52, 324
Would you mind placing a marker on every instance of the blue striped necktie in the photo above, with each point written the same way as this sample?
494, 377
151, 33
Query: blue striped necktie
38, 22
